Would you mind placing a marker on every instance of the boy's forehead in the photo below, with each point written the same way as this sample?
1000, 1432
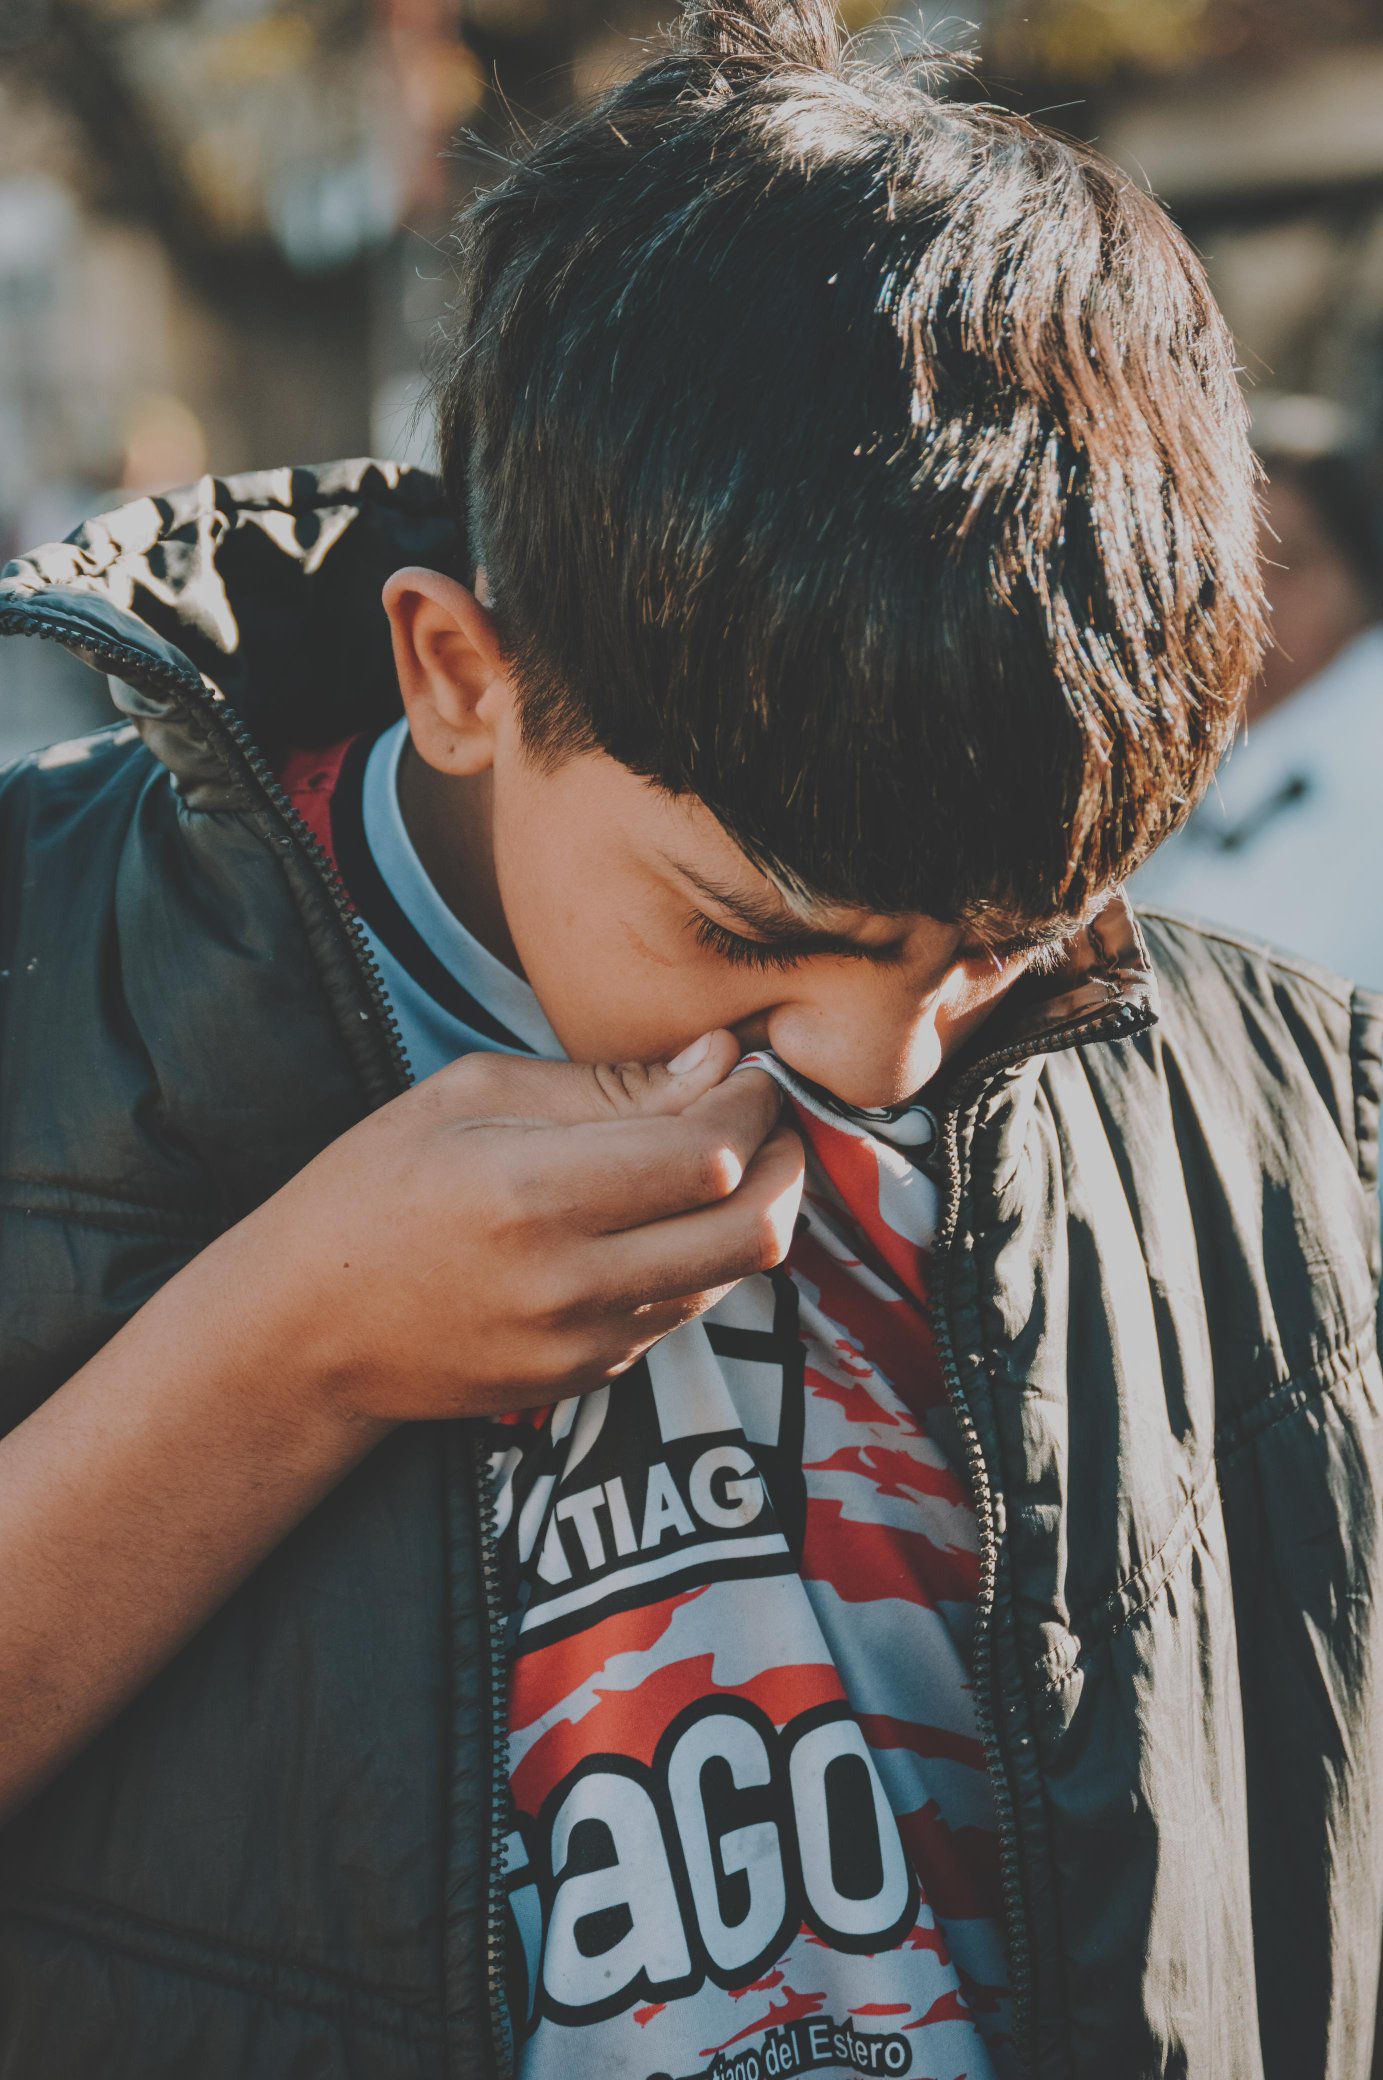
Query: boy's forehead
681, 838
747, 889
693, 844
780, 911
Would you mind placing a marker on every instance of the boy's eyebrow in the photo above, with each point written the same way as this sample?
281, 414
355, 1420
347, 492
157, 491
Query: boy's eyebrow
774, 922
770, 917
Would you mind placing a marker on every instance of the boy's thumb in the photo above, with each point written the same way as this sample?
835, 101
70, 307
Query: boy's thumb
624, 1088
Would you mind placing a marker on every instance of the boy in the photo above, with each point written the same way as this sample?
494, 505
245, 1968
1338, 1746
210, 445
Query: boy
849, 1547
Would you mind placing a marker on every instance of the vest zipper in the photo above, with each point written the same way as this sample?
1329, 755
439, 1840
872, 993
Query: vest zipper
126, 662
1105, 1024
501, 2023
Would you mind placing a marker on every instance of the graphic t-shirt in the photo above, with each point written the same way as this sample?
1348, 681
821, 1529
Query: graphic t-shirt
751, 1825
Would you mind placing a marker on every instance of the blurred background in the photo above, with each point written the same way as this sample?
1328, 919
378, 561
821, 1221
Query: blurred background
222, 229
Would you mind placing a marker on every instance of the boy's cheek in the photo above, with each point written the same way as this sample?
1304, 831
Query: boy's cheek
605, 1007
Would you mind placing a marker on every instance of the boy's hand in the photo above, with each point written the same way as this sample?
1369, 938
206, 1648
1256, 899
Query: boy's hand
510, 1231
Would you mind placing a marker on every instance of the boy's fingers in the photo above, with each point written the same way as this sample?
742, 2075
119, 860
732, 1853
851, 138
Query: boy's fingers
636, 1333
603, 1179
506, 1086
691, 1253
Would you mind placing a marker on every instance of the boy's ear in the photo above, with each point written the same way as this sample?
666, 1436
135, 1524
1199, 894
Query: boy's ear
450, 668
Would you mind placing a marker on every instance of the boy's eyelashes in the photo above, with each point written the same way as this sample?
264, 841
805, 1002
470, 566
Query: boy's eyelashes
1041, 950
742, 952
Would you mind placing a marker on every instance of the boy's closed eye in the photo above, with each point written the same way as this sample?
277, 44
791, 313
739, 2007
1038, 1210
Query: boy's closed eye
781, 951
1040, 950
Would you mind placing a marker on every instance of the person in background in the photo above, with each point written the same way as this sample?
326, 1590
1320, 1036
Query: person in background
1297, 799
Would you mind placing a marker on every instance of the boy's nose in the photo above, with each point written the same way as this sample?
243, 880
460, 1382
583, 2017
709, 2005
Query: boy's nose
864, 1069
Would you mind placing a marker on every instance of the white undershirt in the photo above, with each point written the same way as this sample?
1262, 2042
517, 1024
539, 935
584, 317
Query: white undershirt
433, 1033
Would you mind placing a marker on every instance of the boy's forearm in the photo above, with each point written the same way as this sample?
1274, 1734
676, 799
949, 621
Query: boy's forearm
136, 1498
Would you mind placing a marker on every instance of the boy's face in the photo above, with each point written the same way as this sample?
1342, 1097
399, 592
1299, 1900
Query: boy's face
638, 921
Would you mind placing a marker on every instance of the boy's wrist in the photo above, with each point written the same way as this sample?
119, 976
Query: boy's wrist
255, 1311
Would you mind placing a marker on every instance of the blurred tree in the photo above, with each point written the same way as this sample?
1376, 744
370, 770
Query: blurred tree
1102, 42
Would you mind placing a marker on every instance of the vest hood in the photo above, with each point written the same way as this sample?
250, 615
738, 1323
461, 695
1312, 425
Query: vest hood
263, 590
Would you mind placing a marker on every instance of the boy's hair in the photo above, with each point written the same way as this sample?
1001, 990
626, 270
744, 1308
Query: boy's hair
868, 464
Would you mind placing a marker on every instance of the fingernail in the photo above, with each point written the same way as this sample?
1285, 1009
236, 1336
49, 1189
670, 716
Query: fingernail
691, 1056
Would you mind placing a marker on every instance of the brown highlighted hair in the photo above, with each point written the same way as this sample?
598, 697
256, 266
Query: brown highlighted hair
869, 464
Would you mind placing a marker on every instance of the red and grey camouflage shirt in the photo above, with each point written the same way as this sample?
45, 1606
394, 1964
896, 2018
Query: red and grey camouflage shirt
752, 1832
